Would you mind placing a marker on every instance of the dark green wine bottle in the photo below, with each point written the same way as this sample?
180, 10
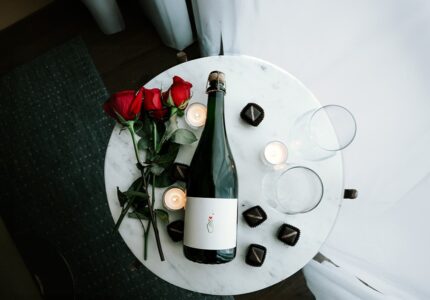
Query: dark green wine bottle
212, 187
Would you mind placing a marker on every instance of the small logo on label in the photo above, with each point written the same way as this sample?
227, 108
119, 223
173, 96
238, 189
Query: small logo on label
210, 225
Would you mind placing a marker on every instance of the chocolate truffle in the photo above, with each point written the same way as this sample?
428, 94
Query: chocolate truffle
180, 172
252, 114
288, 234
176, 230
256, 255
254, 216
350, 194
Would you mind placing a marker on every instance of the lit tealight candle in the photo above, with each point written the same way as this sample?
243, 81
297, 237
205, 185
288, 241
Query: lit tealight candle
174, 198
196, 115
275, 153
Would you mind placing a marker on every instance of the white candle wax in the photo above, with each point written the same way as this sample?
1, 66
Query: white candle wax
275, 153
196, 115
174, 198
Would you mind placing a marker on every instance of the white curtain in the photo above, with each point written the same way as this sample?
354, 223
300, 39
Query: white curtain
170, 19
372, 57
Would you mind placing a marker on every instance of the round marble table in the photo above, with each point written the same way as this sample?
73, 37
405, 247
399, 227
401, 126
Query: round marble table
284, 98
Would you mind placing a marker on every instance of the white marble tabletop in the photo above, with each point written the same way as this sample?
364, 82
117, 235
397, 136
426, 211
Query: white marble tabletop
283, 98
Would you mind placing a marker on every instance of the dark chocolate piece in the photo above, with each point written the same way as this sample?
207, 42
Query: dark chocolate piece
252, 114
288, 234
254, 216
256, 255
350, 194
180, 172
176, 230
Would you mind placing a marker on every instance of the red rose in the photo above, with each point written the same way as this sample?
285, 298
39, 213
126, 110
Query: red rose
179, 93
126, 103
152, 103
152, 99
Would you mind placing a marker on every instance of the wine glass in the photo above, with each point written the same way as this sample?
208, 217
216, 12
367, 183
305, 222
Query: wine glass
319, 133
295, 190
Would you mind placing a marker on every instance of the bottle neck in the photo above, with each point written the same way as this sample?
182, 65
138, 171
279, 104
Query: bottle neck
215, 113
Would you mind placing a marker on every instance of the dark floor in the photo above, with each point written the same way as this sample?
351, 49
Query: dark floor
125, 61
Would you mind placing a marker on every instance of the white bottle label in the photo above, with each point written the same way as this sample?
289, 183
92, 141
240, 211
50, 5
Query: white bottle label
210, 223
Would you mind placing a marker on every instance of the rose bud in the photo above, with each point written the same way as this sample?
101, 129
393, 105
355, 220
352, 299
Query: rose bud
153, 105
178, 94
126, 104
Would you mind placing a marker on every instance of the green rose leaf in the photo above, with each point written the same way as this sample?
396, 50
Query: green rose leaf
156, 169
122, 197
183, 137
145, 128
138, 126
136, 185
139, 215
173, 110
165, 179
141, 207
144, 144
172, 126
169, 100
124, 211
162, 215
180, 113
139, 166
137, 194
168, 157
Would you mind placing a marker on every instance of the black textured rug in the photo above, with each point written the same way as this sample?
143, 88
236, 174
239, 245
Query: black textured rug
54, 136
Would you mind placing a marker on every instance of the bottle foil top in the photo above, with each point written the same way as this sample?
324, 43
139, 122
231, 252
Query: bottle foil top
216, 81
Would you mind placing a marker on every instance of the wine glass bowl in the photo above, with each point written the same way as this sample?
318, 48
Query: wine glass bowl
297, 190
340, 120
319, 133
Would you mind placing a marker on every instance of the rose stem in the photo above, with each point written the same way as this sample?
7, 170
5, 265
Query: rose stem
150, 208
